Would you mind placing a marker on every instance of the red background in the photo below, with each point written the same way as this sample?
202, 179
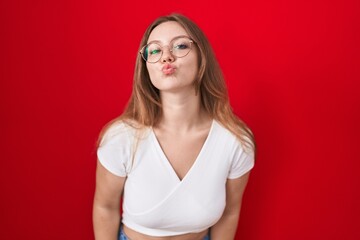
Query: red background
292, 69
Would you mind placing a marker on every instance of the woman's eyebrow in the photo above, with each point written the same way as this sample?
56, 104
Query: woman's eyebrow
158, 41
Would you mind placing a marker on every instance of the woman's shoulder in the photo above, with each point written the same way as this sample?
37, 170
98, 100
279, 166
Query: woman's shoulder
223, 130
118, 130
238, 132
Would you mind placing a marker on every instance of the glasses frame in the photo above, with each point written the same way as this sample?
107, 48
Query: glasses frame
168, 46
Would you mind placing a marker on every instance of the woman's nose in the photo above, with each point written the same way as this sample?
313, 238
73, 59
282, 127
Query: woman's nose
167, 56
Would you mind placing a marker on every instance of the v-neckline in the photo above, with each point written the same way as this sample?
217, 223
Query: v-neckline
166, 160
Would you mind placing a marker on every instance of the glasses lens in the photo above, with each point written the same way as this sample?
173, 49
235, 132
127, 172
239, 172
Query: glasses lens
181, 46
151, 52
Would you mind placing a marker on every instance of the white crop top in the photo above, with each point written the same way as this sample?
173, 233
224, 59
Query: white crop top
156, 202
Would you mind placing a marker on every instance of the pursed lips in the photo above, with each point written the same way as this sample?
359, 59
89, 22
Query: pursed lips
168, 69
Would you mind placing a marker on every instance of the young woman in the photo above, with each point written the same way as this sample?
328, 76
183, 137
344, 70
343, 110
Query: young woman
178, 155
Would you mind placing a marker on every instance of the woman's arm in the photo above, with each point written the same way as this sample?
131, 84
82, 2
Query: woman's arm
106, 209
225, 228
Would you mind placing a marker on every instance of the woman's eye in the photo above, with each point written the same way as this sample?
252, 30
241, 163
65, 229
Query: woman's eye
181, 46
155, 51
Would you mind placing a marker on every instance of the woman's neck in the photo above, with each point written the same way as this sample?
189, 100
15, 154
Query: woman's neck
181, 112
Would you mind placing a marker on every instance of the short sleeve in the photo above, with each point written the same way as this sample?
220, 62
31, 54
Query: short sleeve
242, 162
114, 151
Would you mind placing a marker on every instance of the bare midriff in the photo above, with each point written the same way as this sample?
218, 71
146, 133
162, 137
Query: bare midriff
134, 235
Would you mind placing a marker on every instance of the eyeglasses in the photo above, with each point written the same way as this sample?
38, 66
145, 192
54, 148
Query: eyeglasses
179, 47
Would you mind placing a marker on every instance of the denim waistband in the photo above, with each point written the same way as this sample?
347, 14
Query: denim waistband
122, 235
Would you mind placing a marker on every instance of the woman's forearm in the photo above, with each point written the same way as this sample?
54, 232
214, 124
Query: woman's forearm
106, 223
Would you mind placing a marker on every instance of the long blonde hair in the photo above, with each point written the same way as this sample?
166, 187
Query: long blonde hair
144, 107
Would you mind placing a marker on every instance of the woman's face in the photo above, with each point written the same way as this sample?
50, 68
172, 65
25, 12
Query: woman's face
172, 73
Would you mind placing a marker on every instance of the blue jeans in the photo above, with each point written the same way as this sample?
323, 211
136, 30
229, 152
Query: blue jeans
122, 235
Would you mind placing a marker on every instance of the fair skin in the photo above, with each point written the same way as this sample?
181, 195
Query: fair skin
183, 119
